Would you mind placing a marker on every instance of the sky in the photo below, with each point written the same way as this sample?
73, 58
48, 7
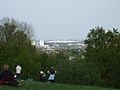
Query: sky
63, 19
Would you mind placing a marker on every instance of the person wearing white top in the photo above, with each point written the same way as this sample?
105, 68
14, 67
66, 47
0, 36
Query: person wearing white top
18, 71
51, 73
42, 76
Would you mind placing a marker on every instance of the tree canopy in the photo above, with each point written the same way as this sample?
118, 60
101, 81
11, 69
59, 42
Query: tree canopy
103, 49
15, 46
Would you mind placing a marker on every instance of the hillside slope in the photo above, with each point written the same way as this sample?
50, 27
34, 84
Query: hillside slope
51, 86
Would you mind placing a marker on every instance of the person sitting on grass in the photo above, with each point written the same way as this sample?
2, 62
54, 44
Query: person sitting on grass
51, 73
42, 76
7, 77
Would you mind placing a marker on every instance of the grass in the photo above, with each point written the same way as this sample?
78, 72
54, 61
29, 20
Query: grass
51, 86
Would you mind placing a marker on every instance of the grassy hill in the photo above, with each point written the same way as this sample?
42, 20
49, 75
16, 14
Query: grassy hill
51, 86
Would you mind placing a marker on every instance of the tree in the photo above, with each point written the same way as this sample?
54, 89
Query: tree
16, 48
9, 27
102, 50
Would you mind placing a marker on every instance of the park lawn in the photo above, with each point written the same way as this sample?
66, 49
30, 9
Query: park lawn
51, 86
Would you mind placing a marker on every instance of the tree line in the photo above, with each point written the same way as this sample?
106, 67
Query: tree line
100, 67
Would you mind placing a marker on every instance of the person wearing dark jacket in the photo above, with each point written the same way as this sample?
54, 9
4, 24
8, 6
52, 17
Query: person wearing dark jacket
7, 77
51, 73
42, 76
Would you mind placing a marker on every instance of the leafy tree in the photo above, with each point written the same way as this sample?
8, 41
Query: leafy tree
102, 50
16, 48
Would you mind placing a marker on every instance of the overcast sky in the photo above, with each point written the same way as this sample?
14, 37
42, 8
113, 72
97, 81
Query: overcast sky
63, 19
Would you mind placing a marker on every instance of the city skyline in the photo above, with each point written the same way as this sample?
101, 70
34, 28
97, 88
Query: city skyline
63, 19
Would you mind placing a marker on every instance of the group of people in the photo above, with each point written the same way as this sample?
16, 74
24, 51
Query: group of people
8, 78
51, 77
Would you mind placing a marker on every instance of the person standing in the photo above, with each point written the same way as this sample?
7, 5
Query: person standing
18, 71
51, 73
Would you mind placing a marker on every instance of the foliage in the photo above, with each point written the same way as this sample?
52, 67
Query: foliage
16, 48
103, 51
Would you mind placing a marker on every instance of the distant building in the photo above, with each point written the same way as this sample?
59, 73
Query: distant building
52, 45
41, 43
33, 43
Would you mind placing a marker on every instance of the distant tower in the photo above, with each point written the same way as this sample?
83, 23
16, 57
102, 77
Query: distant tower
42, 44
33, 43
